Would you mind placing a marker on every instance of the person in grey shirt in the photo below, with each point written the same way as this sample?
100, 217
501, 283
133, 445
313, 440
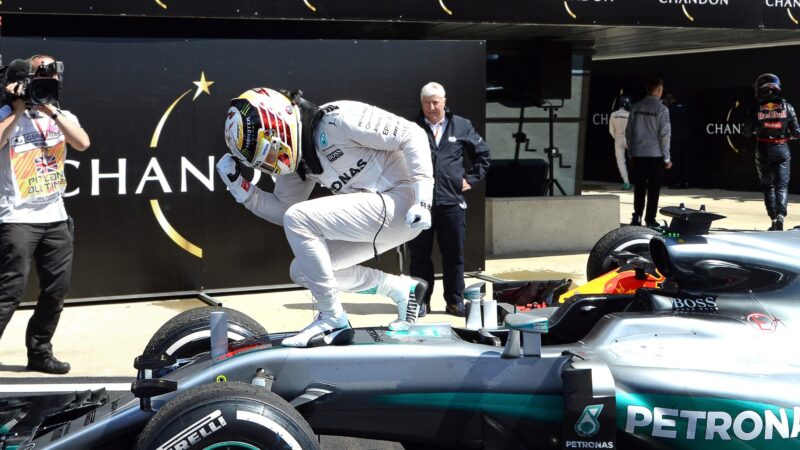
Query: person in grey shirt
647, 136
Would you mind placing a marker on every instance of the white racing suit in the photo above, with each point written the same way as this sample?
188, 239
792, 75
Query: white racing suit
379, 165
616, 126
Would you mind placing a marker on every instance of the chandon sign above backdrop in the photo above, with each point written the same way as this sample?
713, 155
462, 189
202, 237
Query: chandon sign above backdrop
702, 13
151, 214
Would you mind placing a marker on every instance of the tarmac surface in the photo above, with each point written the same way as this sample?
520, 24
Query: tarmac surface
101, 340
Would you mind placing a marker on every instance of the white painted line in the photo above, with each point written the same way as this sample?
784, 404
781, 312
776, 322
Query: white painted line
77, 387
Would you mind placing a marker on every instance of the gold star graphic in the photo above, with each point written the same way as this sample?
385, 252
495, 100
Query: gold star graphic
202, 86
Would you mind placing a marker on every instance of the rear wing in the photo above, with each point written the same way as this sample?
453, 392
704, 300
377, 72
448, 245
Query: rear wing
689, 221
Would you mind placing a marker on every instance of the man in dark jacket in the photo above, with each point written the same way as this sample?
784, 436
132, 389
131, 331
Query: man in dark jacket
680, 139
773, 122
450, 137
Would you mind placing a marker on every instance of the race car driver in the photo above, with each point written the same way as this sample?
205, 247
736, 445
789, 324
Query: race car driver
377, 162
616, 127
773, 122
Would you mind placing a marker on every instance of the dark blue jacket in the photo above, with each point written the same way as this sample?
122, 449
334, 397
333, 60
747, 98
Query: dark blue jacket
448, 158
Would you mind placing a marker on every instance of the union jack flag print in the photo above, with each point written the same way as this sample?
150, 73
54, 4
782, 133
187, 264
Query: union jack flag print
45, 164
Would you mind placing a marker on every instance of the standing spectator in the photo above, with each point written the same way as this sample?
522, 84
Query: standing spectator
33, 220
616, 126
679, 142
648, 135
450, 137
773, 122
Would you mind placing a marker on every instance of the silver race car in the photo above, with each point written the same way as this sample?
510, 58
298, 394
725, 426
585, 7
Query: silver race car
707, 361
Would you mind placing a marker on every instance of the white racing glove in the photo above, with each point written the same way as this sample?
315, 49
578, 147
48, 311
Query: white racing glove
419, 215
228, 170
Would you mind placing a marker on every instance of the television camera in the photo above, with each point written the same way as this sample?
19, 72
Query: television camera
38, 85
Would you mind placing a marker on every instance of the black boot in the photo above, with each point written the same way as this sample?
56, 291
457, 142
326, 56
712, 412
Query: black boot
777, 225
636, 220
48, 364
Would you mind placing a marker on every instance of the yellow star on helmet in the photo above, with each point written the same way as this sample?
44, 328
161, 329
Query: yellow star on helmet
202, 86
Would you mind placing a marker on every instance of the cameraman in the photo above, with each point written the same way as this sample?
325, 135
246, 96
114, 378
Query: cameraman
33, 220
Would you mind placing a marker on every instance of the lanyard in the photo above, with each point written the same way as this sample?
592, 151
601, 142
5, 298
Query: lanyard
42, 133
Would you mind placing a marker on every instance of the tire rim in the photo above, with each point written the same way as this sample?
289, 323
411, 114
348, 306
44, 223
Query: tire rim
198, 335
231, 445
633, 242
611, 263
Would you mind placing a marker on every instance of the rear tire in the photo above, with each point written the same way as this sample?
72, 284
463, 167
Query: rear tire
633, 239
225, 416
189, 333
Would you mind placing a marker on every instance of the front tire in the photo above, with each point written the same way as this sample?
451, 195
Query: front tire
189, 333
225, 416
633, 239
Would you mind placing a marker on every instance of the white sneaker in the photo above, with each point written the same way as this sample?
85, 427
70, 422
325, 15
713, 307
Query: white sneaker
326, 329
408, 306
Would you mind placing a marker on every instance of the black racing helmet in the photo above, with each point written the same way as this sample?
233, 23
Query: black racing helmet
625, 102
767, 83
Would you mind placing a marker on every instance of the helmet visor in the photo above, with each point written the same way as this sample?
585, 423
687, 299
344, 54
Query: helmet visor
768, 81
272, 155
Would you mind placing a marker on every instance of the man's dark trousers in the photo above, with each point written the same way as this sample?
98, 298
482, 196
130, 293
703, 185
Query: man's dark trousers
449, 224
50, 245
647, 176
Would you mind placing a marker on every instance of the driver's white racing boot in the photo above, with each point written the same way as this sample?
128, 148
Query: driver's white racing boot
327, 329
406, 292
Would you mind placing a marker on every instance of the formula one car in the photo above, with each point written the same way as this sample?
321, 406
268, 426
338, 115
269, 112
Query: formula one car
705, 361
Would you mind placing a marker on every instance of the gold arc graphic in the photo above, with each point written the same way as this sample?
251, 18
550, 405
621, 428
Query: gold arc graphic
727, 120
157, 133
182, 242
173, 233
445, 8
569, 11
159, 3
614, 102
686, 13
791, 16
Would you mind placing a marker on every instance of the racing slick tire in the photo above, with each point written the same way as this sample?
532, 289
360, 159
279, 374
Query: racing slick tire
189, 333
631, 239
227, 416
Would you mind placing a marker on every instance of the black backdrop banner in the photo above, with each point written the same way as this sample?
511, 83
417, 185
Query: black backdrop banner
151, 215
674, 13
717, 88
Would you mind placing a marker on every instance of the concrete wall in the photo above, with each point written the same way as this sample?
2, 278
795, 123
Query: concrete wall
548, 224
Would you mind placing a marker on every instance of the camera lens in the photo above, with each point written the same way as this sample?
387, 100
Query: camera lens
43, 91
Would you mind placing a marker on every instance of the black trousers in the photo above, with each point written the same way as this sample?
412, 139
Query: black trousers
647, 175
50, 246
449, 226
773, 164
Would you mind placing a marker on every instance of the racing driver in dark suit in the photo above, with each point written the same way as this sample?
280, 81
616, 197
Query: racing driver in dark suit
773, 121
